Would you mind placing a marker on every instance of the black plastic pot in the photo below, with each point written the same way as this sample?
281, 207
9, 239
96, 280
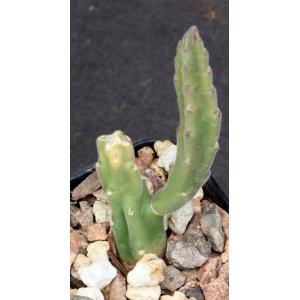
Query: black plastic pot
211, 188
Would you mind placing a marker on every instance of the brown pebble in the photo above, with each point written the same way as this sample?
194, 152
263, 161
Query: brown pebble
196, 206
88, 186
216, 290
225, 254
146, 155
96, 232
224, 272
82, 241
209, 271
74, 247
117, 289
74, 215
86, 217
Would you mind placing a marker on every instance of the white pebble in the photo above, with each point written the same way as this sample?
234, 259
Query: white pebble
161, 146
102, 212
143, 293
167, 158
98, 274
199, 195
100, 195
80, 261
98, 250
91, 292
147, 272
179, 219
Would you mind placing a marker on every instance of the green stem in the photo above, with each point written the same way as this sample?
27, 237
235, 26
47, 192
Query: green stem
200, 121
136, 228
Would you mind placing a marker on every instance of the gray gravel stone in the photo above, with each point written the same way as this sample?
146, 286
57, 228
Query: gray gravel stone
195, 292
192, 290
189, 251
173, 279
211, 225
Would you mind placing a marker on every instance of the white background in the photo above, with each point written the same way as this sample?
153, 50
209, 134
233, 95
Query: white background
264, 149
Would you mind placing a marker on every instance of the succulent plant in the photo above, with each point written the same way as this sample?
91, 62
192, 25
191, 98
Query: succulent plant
138, 217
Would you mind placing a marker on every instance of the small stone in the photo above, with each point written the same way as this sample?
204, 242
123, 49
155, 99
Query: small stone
146, 155
226, 247
86, 187
158, 171
195, 227
98, 250
97, 274
82, 241
189, 251
225, 254
90, 200
173, 279
148, 271
117, 289
105, 292
100, 195
176, 296
81, 261
199, 195
102, 212
161, 146
209, 271
166, 221
196, 206
143, 292
141, 167
196, 201
216, 290
149, 186
96, 232
226, 225
74, 215
192, 290
86, 217
91, 292
156, 182
167, 158
190, 274
211, 225
225, 257
180, 218
224, 272
74, 273
195, 292
74, 247
225, 222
